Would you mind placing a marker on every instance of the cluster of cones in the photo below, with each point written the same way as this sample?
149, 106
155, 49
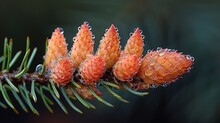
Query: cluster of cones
156, 67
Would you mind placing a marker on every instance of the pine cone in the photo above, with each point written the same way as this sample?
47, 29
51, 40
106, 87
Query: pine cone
109, 48
63, 71
163, 66
92, 69
135, 44
83, 45
126, 67
57, 48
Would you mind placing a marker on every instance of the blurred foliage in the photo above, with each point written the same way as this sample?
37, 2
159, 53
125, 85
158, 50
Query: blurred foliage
191, 26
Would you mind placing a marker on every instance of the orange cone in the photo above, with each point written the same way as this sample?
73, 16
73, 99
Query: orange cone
92, 69
163, 66
56, 49
83, 45
63, 71
135, 44
126, 68
109, 48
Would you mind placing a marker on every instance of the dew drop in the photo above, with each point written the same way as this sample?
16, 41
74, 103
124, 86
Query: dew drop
173, 50
116, 29
141, 31
106, 30
90, 28
153, 86
143, 37
69, 53
93, 36
190, 57
87, 23
39, 68
48, 71
159, 48
135, 29
148, 51
169, 50
74, 38
165, 85
119, 38
161, 53
188, 70
79, 28
81, 81
99, 84
61, 30
131, 34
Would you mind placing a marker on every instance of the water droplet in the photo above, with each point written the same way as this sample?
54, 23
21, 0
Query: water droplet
173, 50
99, 84
190, 57
81, 81
159, 48
106, 30
69, 53
152, 63
116, 29
131, 34
79, 28
141, 31
161, 53
143, 37
93, 36
87, 23
90, 28
165, 85
48, 72
61, 30
119, 38
135, 29
188, 70
168, 50
148, 51
153, 86
39, 68
74, 38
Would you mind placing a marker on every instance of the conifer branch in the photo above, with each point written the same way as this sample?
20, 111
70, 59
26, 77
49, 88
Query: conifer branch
75, 77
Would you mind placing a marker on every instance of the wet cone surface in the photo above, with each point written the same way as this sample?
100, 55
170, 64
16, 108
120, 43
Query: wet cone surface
135, 44
92, 69
109, 48
82, 46
126, 68
63, 71
163, 66
56, 49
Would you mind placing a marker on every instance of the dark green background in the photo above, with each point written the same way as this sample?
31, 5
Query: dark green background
191, 26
